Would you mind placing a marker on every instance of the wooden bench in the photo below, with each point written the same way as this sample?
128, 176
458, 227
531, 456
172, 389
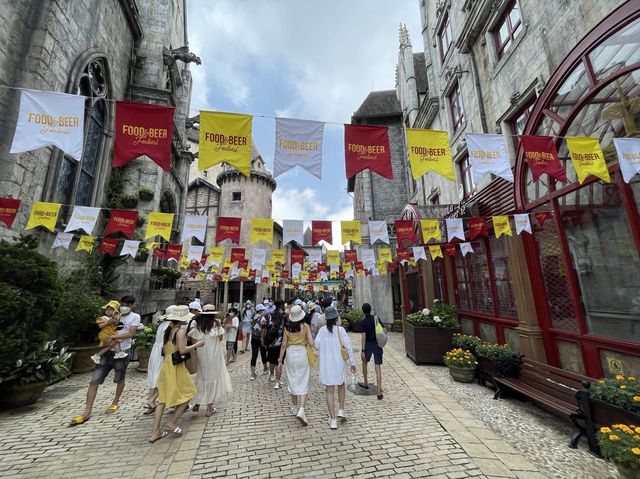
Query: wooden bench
552, 389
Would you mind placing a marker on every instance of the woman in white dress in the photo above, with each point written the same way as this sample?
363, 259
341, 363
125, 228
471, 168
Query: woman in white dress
297, 335
212, 379
332, 366
155, 361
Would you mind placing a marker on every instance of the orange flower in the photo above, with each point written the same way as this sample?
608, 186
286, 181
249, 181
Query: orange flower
636, 451
631, 378
624, 386
636, 398
619, 377
605, 430
613, 437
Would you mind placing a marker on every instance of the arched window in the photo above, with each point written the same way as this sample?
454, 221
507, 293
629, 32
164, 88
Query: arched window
76, 182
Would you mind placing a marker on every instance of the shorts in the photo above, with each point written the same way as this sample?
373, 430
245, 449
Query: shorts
107, 363
273, 355
372, 348
231, 346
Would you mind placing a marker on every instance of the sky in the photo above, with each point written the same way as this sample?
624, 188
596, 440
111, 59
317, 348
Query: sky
298, 59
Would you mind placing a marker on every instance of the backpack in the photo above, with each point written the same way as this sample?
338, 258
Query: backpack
381, 337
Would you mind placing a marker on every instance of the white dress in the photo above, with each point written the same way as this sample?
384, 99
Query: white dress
155, 356
296, 363
212, 378
331, 367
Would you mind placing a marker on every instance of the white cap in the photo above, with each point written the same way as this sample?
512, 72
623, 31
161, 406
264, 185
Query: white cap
298, 302
195, 305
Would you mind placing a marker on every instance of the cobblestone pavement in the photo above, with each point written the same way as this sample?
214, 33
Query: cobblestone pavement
426, 426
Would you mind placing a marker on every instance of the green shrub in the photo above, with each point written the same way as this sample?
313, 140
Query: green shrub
459, 358
354, 316
77, 313
42, 364
440, 315
621, 391
620, 443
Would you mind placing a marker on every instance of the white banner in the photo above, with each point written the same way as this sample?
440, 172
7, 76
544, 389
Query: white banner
130, 247
348, 274
209, 277
487, 154
455, 229
293, 230
258, 258
315, 255
522, 223
628, 150
324, 276
334, 268
298, 143
466, 248
195, 226
62, 240
378, 231
195, 252
368, 258
84, 218
50, 118
419, 253
295, 270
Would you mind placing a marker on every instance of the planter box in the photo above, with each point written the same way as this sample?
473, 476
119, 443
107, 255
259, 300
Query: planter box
490, 368
462, 375
82, 362
427, 344
17, 396
356, 327
143, 360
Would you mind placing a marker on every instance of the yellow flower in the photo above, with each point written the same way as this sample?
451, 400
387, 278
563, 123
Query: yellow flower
619, 377
613, 437
636, 451
476, 362
605, 430
638, 430
624, 386
601, 381
631, 378
636, 398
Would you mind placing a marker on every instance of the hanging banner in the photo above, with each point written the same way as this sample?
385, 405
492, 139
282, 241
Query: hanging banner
258, 258
261, 230
351, 231
429, 150
368, 258
174, 251
108, 246
225, 137
195, 226
466, 248
378, 232
314, 255
333, 257
228, 228
381, 267
628, 150
402, 255
237, 254
435, 251
501, 225
542, 216
160, 253
149, 245
351, 255
347, 266
130, 248
384, 254
296, 269
216, 256
83, 218
297, 256
321, 231
367, 147
477, 227
455, 229
270, 265
419, 253
43, 214
487, 154
62, 240
86, 243
405, 231
194, 253
522, 223
587, 158
8, 210
159, 224
298, 143
143, 129
450, 249
541, 155
293, 230
50, 118
278, 255
122, 221
430, 230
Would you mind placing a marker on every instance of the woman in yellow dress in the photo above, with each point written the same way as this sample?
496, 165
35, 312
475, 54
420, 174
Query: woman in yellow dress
175, 386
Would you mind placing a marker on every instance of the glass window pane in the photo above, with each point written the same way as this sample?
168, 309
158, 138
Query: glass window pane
479, 280
91, 147
503, 282
514, 15
503, 33
617, 52
570, 92
64, 181
85, 188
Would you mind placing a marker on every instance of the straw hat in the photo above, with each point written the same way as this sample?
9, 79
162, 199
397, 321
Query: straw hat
296, 314
195, 305
179, 313
209, 309
167, 312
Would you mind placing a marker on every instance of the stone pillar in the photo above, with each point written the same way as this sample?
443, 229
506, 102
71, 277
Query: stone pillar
528, 329
241, 293
225, 300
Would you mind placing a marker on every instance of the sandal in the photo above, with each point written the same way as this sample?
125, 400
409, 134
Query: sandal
210, 412
113, 408
177, 431
78, 420
163, 434
363, 386
380, 396
195, 408
148, 410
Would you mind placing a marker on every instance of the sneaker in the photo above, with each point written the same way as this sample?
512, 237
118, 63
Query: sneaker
253, 377
265, 372
277, 386
272, 378
120, 355
333, 424
96, 358
301, 416
294, 410
342, 415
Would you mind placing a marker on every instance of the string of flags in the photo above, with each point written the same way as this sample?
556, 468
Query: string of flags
51, 118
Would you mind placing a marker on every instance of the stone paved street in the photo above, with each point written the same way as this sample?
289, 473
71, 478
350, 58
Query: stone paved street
418, 430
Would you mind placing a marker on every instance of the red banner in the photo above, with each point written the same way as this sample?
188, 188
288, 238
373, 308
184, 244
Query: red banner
477, 227
284, 274
322, 267
391, 267
402, 254
350, 255
405, 231
367, 147
541, 155
160, 253
243, 264
8, 210
237, 254
123, 221
321, 230
542, 216
228, 228
143, 129
252, 273
358, 266
297, 256
450, 249
108, 246
174, 251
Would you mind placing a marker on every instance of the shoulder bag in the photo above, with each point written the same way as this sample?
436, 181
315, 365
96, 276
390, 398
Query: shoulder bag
311, 353
343, 350
381, 337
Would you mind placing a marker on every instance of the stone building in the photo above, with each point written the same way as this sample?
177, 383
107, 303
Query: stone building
106, 50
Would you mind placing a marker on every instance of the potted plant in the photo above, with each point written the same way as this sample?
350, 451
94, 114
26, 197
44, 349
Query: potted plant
496, 360
23, 382
428, 333
354, 317
143, 342
397, 325
466, 342
462, 365
142, 255
345, 324
620, 443
145, 194
129, 201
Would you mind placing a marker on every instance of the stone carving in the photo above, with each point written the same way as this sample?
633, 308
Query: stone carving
191, 121
515, 97
184, 55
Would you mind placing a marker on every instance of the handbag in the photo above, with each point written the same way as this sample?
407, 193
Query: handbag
381, 337
311, 355
192, 362
343, 350
177, 358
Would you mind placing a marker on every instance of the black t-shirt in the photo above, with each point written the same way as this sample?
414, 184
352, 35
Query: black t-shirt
369, 327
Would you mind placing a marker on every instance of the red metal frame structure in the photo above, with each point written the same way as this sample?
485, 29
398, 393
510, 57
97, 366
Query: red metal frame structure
556, 118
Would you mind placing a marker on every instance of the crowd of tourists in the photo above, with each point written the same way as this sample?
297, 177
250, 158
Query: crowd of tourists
195, 344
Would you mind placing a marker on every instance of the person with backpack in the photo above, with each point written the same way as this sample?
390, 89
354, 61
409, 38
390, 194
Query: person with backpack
273, 341
370, 347
258, 325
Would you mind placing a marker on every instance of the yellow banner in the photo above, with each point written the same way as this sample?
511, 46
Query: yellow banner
277, 255
304, 274
225, 277
347, 266
261, 230
501, 226
86, 243
587, 158
201, 276
333, 275
430, 229
350, 231
270, 266
436, 251
382, 266
429, 150
333, 256
159, 224
149, 245
184, 262
43, 214
216, 255
384, 255
225, 137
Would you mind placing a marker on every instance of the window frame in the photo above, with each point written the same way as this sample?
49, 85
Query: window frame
445, 36
524, 110
512, 32
465, 172
233, 196
454, 98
